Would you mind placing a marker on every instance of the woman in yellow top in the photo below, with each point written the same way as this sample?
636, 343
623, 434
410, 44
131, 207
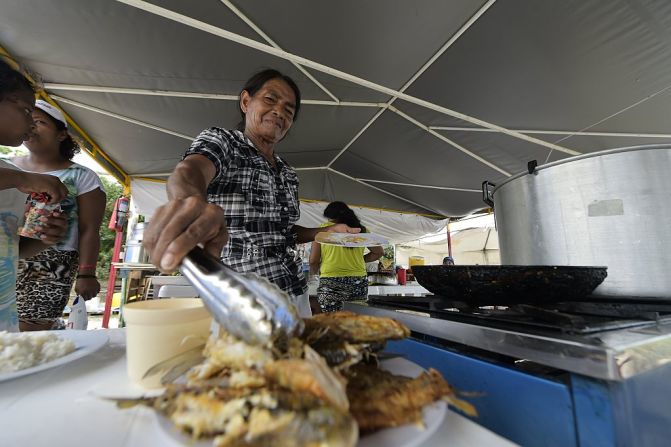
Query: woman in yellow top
342, 270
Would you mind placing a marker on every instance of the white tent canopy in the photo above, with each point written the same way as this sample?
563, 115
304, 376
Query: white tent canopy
408, 106
474, 241
397, 227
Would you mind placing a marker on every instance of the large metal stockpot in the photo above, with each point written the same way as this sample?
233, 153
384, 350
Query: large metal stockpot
607, 208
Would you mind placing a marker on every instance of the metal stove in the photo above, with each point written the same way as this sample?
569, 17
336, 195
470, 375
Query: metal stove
584, 317
571, 374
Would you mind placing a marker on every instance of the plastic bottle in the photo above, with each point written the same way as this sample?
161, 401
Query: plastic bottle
78, 318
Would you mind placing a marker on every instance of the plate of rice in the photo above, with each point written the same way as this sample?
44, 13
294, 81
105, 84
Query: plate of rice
25, 353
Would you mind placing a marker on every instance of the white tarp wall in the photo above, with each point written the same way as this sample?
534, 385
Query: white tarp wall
474, 241
470, 246
397, 227
147, 195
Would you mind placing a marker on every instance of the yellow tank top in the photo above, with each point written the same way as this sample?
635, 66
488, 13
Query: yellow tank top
341, 261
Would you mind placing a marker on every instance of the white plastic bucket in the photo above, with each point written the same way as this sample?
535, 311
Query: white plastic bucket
160, 329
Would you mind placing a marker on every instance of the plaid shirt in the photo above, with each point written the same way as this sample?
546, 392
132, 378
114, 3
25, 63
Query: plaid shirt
261, 207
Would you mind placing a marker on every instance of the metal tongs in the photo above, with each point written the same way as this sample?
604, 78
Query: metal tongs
247, 305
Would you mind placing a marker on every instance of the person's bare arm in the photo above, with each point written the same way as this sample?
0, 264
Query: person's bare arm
308, 234
315, 258
187, 219
91, 207
191, 177
28, 182
374, 254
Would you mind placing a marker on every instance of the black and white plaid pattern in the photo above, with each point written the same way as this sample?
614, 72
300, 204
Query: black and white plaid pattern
261, 206
334, 291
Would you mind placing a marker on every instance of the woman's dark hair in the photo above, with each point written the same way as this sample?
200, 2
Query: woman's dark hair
257, 81
339, 212
12, 81
69, 147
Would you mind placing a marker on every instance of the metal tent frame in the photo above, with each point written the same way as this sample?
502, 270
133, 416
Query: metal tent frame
449, 130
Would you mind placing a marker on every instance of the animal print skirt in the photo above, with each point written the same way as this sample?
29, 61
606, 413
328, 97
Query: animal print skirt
43, 284
333, 292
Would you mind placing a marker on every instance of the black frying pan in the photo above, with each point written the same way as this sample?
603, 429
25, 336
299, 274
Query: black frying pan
509, 284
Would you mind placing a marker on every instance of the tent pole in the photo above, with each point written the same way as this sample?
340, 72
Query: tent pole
449, 239
112, 279
122, 117
376, 188
267, 38
489, 233
415, 185
419, 72
448, 141
251, 43
558, 132
191, 95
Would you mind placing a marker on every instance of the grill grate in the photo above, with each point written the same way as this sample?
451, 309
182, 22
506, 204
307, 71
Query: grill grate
570, 317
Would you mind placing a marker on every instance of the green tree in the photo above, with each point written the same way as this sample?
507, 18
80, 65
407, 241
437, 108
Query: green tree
113, 190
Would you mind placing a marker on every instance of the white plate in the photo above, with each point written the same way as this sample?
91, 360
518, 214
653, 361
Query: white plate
86, 342
404, 436
407, 435
351, 239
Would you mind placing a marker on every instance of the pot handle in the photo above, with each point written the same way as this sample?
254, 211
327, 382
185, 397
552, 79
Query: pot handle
487, 187
531, 166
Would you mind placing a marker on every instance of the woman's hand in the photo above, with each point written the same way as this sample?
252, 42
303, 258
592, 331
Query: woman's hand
42, 183
180, 225
308, 234
87, 288
341, 228
53, 228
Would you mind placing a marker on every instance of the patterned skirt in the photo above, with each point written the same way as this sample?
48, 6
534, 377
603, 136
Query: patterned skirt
333, 292
43, 284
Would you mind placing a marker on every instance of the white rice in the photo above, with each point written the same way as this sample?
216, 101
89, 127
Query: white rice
26, 349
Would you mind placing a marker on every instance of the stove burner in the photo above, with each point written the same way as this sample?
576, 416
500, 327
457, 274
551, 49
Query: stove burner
566, 317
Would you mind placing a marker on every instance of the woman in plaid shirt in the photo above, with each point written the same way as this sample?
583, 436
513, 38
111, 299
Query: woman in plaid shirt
235, 195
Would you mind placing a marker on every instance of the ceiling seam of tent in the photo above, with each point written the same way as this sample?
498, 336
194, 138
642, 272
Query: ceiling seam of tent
322, 168
311, 168
191, 95
356, 137
96, 151
414, 185
637, 103
558, 132
137, 91
419, 72
448, 141
603, 120
376, 188
123, 118
267, 38
434, 216
211, 29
